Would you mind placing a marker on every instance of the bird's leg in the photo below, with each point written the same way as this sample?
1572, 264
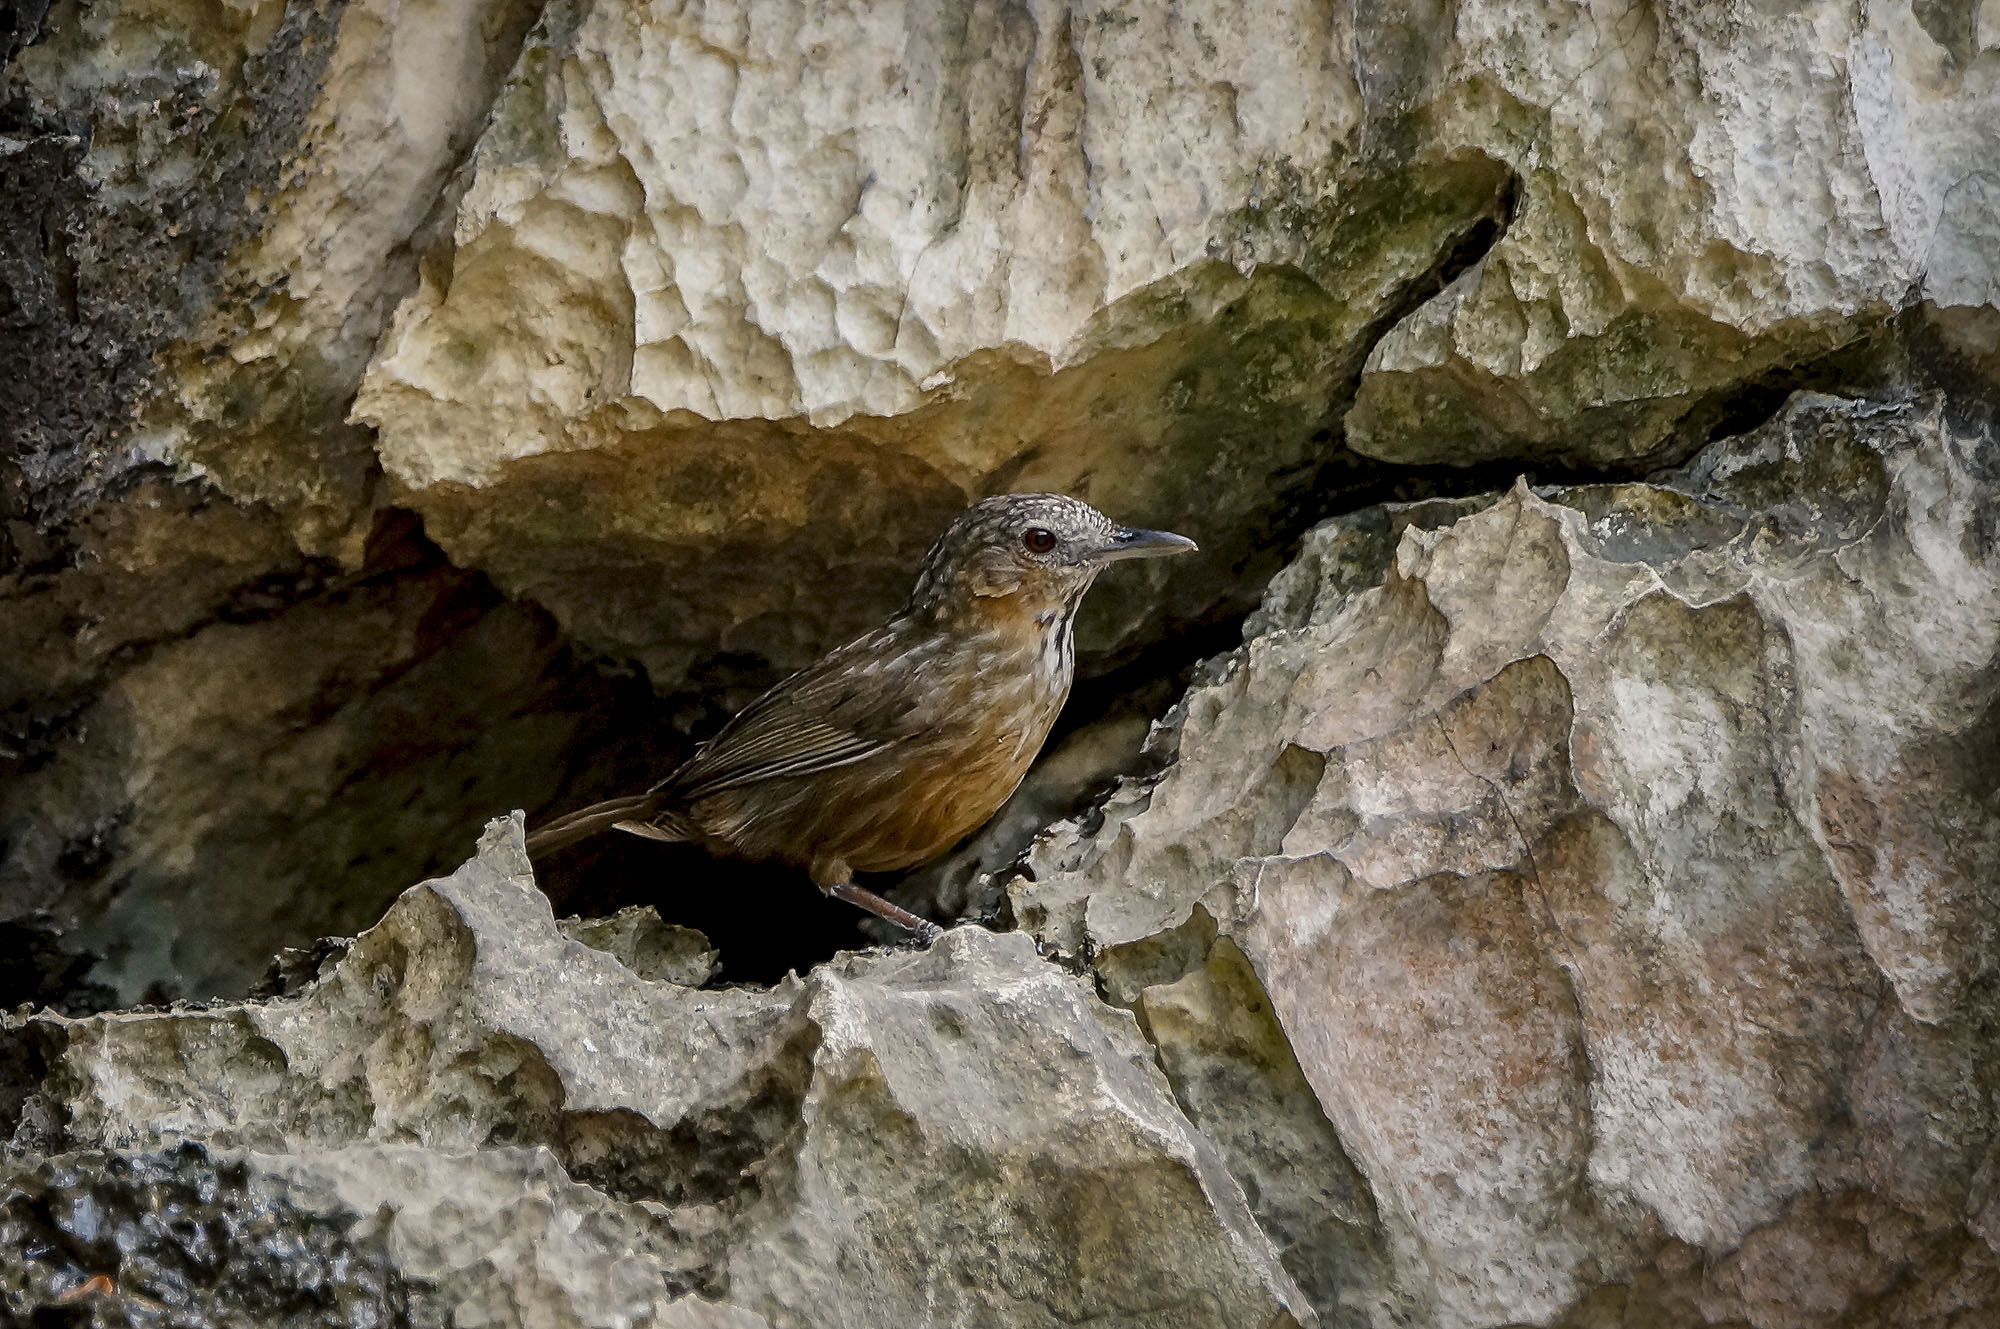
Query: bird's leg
842, 887
925, 930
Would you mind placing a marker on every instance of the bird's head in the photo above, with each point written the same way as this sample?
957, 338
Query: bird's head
1037, 550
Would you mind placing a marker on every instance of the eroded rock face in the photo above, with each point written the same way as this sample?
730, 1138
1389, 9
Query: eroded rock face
881, 240
713, 262
1581, 863
1533, 923
579, 475
1711, 191
214, 694
693, 326
208, 218
960, 1136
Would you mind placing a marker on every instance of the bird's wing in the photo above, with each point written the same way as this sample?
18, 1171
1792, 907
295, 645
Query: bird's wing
835, 713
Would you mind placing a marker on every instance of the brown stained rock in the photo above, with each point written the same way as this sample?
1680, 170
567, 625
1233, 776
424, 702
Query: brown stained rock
1620, 871
1446, 1045
163, 561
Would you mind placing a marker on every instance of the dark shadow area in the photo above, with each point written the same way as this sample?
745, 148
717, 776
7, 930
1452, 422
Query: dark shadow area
764, 919
326, 740
37, 969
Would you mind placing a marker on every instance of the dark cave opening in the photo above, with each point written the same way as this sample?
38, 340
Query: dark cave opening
763, 919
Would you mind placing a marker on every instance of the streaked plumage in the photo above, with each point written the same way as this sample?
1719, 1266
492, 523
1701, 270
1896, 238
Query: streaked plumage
890, 749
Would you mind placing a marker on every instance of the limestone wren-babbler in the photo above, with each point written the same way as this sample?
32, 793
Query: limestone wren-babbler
890, 749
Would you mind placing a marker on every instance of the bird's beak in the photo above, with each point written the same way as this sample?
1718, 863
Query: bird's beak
1143, 544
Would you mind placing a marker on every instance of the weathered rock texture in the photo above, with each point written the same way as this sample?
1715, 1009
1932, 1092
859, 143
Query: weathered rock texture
541, 1136
1621, 871
207, 218
1711, 191
701, 265
912, 251
753, 257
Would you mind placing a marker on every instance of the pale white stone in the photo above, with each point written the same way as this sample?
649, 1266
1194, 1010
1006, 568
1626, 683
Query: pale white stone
830, 208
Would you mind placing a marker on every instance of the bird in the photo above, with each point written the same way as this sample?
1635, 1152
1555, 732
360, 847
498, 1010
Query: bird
889, 750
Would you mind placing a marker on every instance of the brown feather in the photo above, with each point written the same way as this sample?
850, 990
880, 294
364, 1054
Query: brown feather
586, 822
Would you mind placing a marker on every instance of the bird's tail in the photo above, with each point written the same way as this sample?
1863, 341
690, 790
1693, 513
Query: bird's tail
586, 822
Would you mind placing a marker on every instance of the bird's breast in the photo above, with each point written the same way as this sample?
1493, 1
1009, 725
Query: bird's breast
999, 695
1020, 678
982, 702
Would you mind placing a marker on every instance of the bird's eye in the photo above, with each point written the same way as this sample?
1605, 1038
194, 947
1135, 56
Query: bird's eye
1038, 540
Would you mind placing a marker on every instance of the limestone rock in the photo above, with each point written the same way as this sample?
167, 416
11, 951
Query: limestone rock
906, 256
1620, 870
873, 242
650, 948
964, 1135
208, 218
975, 1091
1235, 1076
205, 219
1712, 191
368, 1236
696, 310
